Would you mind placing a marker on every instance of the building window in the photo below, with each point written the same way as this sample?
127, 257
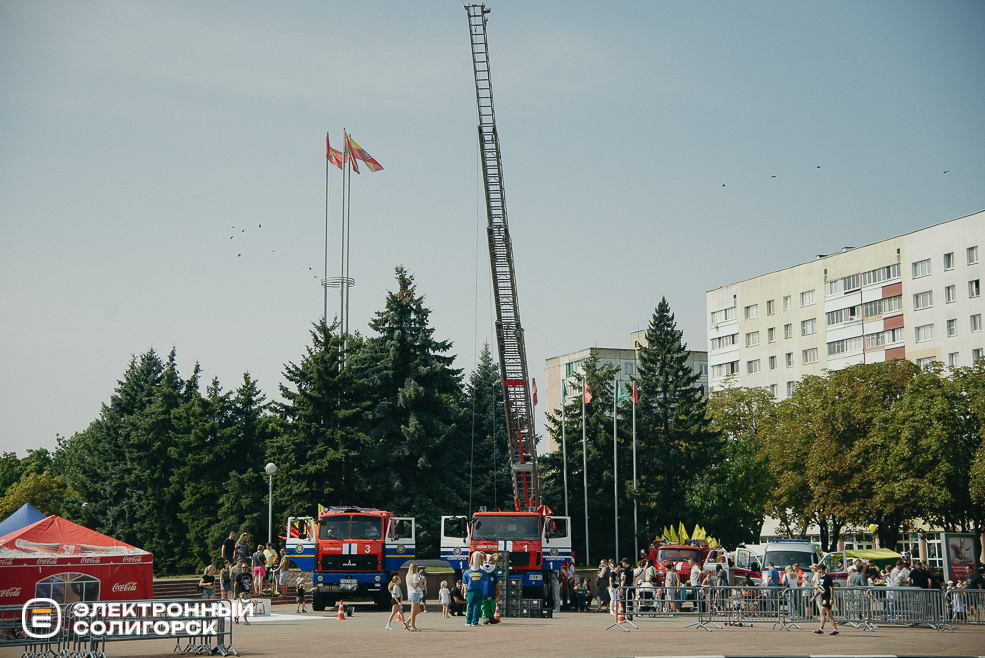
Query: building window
752, 367
881, 274
752, 339
810, 356
950, 294
882, 338
884, 306
787, 304
724, 341
845, 345
952, 360
949, 261
628, 369
752, 311
724, 315
771, 334
791, 387
977, 354
924, 333
773, 390
789, 359
921, 268
771, 307
808, 327
723, 369
843, 315
974, 288
788, 331
569, 370
702, 368
972, 255
772, 363
976, 322
926, 361
952, 328
807, 298
923, 300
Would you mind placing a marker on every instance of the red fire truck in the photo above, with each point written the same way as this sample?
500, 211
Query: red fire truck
536, 542
664, 553
353, 553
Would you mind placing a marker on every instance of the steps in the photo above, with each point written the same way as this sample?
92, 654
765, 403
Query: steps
187, 588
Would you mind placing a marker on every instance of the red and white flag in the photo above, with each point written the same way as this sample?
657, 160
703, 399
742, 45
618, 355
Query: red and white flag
535, 392
588, 394
636, 394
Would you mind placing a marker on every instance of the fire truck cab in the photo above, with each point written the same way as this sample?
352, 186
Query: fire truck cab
353, 554
536, 542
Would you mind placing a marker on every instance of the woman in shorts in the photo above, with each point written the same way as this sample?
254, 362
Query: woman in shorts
207, 583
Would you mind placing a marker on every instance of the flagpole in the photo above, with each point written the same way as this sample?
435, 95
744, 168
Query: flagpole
348, 243
324, 281
615, 461
584, 468
636, 530
345, 166
564, 447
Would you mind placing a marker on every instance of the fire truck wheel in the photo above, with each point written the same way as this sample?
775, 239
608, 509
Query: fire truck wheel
317, 601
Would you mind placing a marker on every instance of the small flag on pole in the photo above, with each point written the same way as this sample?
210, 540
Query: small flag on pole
347, 154
588, 394
636, 394
334, 156
359, 153
535, 392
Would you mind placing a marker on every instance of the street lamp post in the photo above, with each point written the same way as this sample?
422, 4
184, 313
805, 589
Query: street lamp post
270, 469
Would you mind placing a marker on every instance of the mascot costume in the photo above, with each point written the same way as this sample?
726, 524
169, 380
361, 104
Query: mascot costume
490, 588
473, 581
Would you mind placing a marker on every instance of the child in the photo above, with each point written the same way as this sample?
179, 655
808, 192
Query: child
395, 598
299, 596
583, 595
225, 581
444, 598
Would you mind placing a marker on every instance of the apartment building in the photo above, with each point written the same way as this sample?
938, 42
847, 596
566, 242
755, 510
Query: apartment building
915, 296
562, 371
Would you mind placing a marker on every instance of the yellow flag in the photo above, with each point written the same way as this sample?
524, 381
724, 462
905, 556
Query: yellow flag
698, 532
673, 536
682, 533
712, 543
321, 508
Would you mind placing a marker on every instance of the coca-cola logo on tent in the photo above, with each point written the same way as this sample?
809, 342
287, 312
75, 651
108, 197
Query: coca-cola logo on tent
125, 587
89, 560
47, 560
10, 592
132, 558
6, 562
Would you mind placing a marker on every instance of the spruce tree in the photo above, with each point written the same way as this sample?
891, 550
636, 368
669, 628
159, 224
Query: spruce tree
674, 437
489, 472
417, 452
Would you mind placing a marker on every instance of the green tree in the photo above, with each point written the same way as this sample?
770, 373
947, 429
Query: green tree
731, 495
318, 447
416, 452
489, 473
46, 492
598, 454
676, 441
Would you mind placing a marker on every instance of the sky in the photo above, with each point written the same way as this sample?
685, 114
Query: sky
162, 171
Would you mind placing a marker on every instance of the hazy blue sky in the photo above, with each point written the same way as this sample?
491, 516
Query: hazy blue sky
134, 135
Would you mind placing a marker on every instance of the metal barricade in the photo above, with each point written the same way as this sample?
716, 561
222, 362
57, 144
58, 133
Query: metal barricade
712, 606
906, 606
963, 606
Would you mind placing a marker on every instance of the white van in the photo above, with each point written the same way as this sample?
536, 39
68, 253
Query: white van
791, 551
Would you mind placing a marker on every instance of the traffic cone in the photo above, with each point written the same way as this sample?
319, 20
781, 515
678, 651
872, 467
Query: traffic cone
496, 619
621, 617
341, 614
400, 617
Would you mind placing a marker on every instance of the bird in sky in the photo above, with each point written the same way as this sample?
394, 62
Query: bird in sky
238, 255
819, 166
772, 176
947, 170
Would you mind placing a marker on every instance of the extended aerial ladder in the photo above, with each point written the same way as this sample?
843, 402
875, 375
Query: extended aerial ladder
509, 332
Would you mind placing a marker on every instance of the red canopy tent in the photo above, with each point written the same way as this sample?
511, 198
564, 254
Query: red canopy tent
57, 559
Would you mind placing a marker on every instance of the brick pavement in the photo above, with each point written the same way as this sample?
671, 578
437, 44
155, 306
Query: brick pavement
567, 635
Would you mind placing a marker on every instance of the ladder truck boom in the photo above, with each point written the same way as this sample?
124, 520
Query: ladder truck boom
509, 331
